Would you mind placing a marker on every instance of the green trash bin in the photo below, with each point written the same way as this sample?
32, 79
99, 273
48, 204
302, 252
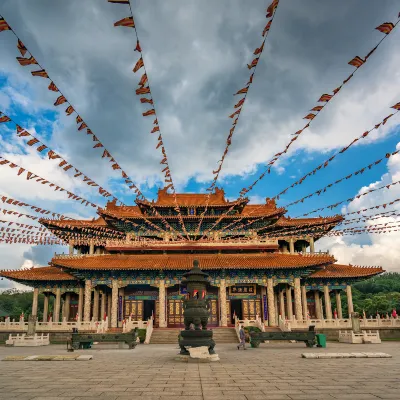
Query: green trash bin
321, 340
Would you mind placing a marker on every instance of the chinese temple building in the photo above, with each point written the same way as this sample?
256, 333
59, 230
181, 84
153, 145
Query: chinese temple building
126, 263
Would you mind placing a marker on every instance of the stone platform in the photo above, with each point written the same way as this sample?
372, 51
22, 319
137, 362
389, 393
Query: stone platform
275, 371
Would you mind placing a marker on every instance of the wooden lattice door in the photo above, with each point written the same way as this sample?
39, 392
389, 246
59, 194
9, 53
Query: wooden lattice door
134, 309
175, 313
251, 308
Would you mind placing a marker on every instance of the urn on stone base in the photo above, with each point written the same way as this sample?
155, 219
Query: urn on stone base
196, 311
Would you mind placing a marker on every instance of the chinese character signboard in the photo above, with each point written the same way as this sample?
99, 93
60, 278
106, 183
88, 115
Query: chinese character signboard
242, 289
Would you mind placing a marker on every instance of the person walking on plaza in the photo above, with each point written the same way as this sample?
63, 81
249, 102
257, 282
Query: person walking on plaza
242, 336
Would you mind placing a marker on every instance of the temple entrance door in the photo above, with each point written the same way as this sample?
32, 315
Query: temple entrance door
175, 313
134, 309
236, 309
148, 309
251, 308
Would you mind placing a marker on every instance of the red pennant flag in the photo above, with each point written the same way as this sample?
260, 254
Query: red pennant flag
138, 48
259, 50
60, 100
78, 119
253, 63
69, 110
143, 80
396, 106
138, 65
149, 112
155, 129
42, 73
53, 87
21, 47
309, 116
239, 103
83, 126
236, 112
325, 97
4, 118
144, 90
3, 25
317, 108
267, 28
127, 22
144, 100
386, 28
271, 8
26, 61
357, 62
242, 91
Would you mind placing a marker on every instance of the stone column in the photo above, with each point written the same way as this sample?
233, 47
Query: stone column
109, 301
114, 304
67, 305
317, 305
45, 307
161, 298
80, 304
304, 301
271, 302
91, 247
349, 300
88, 300
71, 248
339, 305
57, 305
222, 302
312, 246
282, 305
35, 301
96, 304
327, 299
291, 246
289, 305
297, 300
103, 305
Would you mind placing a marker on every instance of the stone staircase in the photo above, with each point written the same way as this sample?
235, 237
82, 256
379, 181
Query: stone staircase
225, 335
164, 336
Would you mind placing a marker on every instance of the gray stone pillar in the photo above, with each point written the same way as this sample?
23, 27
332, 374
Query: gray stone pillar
161, 297
80, 304
222, 302
291, 246
271, 302
35, 301
109, 301
103, 305
88, 300
327, 300
312, 246
289, 305
349, 300
95, 304
57, 305
282, 305
297, 300
114, 304
45, 307
304, 301
67, 304
318, 313
339, 305
91, 247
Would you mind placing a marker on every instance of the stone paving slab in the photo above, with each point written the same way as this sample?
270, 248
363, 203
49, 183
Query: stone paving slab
274, 372
64, 357
345, 355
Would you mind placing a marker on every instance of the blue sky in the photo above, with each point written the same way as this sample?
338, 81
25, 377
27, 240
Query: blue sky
196, 58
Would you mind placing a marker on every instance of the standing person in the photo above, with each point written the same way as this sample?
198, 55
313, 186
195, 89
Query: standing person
242, 336
394, 313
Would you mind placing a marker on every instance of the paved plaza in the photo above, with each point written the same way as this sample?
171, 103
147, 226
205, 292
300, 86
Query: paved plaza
274, 371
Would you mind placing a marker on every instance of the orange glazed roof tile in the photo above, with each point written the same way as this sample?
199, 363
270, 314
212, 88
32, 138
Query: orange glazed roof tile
38, 274
288, 222
346, 271
185, 262
99, 222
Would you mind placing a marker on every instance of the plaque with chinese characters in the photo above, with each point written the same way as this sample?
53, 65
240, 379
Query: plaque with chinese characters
242, 289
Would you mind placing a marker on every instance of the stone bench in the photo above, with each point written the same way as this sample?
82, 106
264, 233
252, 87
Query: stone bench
308, 337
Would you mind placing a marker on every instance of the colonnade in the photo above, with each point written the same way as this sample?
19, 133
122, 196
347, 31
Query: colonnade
107, 303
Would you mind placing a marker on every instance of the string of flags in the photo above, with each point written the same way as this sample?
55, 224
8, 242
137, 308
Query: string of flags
390, 185
300, 231
349, 176
372, 217
70, 110
325, 163
144, 90
30, 227
357, 62
52, 155
18, 203
238, 107
31, 241
25, 231
32, 176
